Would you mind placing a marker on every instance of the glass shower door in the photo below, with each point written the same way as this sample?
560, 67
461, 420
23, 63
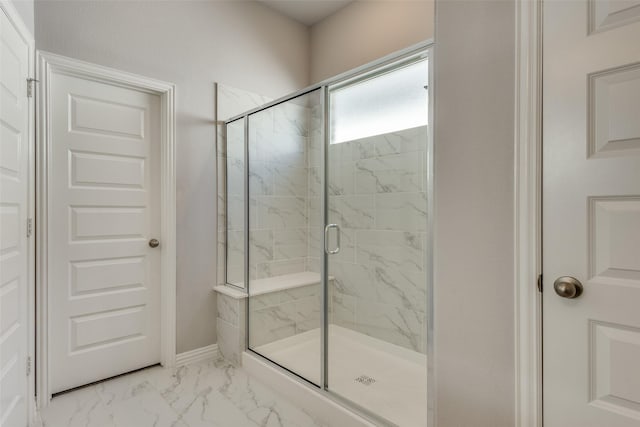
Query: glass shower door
285, 287
376, 242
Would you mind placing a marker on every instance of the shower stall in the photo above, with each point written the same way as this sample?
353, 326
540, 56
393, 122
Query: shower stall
328, 201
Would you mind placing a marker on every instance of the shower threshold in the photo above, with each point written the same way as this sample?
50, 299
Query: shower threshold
386, 379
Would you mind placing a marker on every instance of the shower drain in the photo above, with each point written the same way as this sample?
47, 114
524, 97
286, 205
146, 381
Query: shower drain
365, 380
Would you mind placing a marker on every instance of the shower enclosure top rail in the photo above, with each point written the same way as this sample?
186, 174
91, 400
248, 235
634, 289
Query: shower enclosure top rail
364, 72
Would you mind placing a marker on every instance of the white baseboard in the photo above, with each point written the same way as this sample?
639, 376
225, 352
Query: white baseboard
198, 355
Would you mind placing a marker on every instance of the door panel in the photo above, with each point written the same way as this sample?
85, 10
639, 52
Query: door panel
591, 212
104, 208
14, 248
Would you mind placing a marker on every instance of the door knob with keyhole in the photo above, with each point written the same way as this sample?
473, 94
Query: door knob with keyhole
154, 243
568, 287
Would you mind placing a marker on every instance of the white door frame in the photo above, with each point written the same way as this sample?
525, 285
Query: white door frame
17, 22
527, 214
47, 64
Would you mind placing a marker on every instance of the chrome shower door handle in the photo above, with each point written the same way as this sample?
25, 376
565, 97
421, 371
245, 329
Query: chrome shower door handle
326, 239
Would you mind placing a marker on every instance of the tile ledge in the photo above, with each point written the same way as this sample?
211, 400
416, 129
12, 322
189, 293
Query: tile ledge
230, 291
273, 284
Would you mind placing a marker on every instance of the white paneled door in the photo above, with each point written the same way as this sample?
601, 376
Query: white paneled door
591, 213
104, 211
14, 247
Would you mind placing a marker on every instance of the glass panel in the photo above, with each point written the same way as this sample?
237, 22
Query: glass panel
284, 234
377, 183
388, 103
235, 203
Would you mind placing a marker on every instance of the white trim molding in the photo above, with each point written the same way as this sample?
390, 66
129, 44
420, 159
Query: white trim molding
47, 64
201, 354
528, 227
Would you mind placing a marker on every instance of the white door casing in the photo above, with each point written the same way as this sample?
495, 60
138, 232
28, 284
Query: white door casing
107, 180
591, 212
15, 257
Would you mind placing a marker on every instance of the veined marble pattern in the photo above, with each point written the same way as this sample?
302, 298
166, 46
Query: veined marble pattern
356, 211
236, 212
292, 118
281, 212
221, 257
231, 327
401, 211
290, 180
399, 249
279, 174
221, 191
233, 101
228, 309
207, 394
290, 243
235, 256
260, 246
281, 314
388, 174
377, 196
230, 142
313, 264
280, 267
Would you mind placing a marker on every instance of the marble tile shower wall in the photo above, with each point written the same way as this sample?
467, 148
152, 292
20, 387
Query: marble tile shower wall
279, 139
235, 199
278, 173
230, 102
279, 152
377, 194
285, 313
315, 225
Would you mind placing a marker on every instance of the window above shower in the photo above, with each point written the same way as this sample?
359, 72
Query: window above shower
381, 104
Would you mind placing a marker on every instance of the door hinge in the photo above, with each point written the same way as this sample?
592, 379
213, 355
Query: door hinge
28, 365
29, 227
540, 283
30, 85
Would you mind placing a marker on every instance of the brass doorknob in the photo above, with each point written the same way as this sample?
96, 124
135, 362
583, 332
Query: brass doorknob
568, 287
154, 243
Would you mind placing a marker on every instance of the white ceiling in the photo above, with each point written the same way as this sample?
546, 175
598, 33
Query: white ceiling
307, 12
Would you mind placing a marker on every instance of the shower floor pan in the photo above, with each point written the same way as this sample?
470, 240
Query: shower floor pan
386, 379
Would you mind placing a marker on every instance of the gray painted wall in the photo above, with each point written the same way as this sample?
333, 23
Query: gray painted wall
474, 134
192, 44
25, 10
364, 31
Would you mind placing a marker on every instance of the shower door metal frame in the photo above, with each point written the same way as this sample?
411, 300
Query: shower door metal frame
420, 51
226, 200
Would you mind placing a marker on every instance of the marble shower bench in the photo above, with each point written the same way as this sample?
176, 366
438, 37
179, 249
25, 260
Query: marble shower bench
281, 306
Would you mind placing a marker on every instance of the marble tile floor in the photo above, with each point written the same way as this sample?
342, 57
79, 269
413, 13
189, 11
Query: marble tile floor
211, 394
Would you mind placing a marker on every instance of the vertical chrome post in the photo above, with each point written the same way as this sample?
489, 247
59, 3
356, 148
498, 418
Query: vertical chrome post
247, 205
324, 169
224, 174
429, 250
